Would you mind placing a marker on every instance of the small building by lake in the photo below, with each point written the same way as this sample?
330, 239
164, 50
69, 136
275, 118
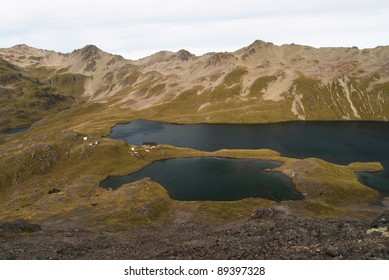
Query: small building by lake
150, 144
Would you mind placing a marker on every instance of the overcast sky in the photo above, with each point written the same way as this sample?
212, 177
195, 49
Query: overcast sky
136, 28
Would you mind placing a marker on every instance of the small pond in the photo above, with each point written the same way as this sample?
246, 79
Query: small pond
216, 179
16, 130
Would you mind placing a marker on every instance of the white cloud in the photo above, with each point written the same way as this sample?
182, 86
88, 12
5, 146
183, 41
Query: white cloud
141, 27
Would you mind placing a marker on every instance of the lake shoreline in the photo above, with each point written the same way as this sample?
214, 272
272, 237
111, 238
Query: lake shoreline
355, 140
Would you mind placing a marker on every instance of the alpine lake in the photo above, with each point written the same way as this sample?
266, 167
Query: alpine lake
225, 179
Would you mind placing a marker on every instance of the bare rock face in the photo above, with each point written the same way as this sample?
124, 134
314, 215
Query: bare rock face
184, 55
90, 51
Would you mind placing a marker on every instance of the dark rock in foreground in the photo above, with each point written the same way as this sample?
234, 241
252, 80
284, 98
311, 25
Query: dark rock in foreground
269, 234
381, 221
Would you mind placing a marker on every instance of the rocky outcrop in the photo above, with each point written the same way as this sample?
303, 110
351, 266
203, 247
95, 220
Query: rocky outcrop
381, 221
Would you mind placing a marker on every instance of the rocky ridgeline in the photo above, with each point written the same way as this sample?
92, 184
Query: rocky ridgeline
301, 82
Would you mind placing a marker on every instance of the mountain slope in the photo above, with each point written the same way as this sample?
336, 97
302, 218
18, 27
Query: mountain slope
28, 94
259, 83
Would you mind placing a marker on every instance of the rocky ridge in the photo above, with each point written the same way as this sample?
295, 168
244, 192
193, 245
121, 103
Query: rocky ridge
307, 83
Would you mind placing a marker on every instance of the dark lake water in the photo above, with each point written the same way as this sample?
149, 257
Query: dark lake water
217, 179
16, 130
337, 142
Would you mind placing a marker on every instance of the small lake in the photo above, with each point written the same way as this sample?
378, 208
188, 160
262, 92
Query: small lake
16, 130
216, 179
337, 142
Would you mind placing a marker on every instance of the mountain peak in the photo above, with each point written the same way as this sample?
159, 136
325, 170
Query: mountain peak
89, 51
161, 56
260, 43
184, 55
21, 46
90, 48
